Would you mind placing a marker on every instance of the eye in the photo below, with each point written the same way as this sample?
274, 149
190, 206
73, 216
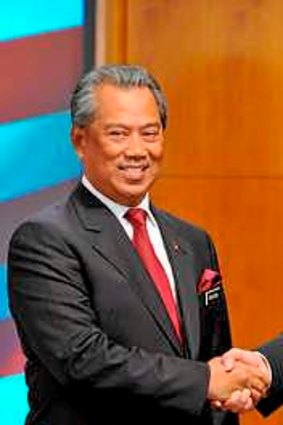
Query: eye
150, 134
117, 134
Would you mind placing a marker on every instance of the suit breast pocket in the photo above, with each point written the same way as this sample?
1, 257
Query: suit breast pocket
213, 318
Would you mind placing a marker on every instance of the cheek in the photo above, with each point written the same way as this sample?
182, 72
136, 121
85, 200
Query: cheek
157, 154
109, 154
100, 158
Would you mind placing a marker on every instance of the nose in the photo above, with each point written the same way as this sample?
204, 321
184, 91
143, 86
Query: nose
135, 146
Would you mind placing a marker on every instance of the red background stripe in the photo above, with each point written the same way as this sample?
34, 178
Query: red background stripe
11, 357
38, 73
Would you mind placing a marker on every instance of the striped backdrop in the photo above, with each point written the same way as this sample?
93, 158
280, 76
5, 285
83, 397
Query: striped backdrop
41, 55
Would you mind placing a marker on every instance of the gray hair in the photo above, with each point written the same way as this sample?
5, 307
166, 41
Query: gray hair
83, 103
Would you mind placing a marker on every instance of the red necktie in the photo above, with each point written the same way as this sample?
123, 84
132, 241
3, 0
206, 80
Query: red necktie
142, 243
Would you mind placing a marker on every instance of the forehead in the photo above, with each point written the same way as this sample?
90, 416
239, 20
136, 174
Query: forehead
115, 100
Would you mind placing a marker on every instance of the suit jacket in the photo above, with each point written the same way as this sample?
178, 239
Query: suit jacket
273, 351
96, 335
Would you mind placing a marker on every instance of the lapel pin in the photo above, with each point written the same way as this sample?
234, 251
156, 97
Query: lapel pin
176, 247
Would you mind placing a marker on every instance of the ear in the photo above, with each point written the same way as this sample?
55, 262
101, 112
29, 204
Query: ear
78, 136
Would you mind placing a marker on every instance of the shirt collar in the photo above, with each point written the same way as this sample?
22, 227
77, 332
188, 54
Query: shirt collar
117, 209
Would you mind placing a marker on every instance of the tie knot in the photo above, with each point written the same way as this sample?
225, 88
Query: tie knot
136, 216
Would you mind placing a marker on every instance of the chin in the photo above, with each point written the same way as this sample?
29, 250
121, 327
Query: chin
131, 198
132, 194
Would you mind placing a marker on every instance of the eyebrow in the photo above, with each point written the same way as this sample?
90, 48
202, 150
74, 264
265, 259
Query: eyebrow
156, 125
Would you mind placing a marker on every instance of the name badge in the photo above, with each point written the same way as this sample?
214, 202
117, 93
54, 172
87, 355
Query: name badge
212, 295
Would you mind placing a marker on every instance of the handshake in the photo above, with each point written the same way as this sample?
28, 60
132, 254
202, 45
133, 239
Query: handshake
238, 380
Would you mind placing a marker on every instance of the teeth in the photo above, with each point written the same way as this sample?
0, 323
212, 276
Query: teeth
133, 168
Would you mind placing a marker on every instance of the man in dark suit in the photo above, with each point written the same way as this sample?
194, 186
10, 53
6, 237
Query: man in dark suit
103, 342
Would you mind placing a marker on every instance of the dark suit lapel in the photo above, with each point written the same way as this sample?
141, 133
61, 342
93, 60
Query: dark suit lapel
123, 254
113, 244
182, 260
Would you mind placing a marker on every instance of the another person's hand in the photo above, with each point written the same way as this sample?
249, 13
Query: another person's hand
242, 401
234, 383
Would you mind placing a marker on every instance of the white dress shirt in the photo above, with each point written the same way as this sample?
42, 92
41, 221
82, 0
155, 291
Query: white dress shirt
152, 227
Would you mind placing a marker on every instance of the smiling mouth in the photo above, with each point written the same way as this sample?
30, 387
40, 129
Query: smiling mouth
140, 167
133, 171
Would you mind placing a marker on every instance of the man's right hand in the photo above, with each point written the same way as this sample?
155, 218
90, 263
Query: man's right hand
242, 379
240, 401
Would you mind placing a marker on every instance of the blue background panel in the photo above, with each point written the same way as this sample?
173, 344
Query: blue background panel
31, 17
4, 309
35, 154
13, 396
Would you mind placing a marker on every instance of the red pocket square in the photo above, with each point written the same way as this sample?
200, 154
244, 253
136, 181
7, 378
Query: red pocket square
209, 279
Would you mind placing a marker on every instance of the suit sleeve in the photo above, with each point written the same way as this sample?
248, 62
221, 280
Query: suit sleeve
273, 351
50, 302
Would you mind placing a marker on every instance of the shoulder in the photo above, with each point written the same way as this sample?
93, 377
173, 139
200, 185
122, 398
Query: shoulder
58, 214
52, 219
